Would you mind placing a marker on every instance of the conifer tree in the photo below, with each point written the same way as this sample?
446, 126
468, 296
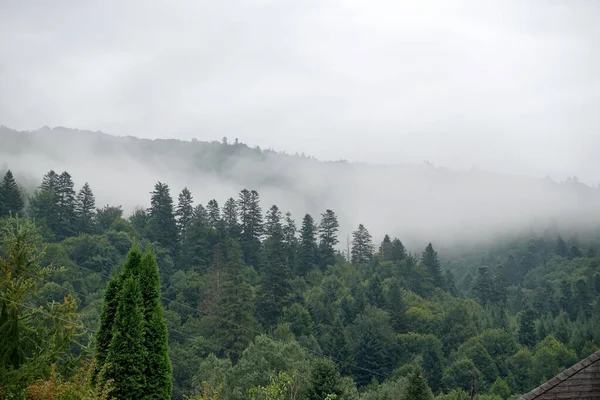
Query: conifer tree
307, 249
328, 229
561, 247
158, 370
214, 214
126, 360
85, 209
484, 286
398, 250
11, 202
527, 328
236, 306
362, 245
65, 205
230, 219
417, 388
430, 260
184, 211
275, 282
162, 224
290, 241
195, 251
385, 249
251, 225
397, 308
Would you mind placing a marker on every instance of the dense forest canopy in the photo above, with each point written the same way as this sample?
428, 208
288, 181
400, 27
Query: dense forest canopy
260, 303
420, 203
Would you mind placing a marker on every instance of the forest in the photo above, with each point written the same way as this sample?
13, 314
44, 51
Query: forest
237, 299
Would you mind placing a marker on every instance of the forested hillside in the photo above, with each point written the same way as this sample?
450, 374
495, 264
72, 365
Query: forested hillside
420, 203
263, 304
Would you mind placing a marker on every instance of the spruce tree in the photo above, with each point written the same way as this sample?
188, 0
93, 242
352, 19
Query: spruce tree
158, 372
275, 282
417, 388
85, 209
385, 249
184, 211
11, 201
527, 327
290, 241
214, 214
251, 225
127, 355
362, 245
398, 250
561, 247
236, 306
397, 308
328, 229
430, 260
195, 251
484, 286
65, 205
162, 224
230, 219
307, 249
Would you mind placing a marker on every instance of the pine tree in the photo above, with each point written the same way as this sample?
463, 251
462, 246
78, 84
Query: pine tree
251, 224
11, 202
85, 209
307, 249
126, 360
230, 219
236, 306
328, 229
417, 388
158, 370
362, 245
275, 282
184, 211
162, 226
527, 328
430, 260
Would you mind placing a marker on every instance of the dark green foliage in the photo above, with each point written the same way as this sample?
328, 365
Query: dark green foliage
184, 211
11, 201
230, 219
162, 226
385, 249
214, 215
396, 307
290, 241
431, 261
250, 215
417, 388
126, 360
85, 209
307, 248
484, 286
527, 328
195, 252
328, 229
158, 370
561, 247
398, 250
362, 245
107, 216
325, 379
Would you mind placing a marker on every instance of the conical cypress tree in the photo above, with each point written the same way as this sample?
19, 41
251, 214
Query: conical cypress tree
158, 372
127, 355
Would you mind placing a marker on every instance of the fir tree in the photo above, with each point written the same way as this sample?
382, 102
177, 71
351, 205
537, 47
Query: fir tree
328, 229
162, 226
65, 205
430, 260
127, 355
85, 209
397, 308
290, 241
398, 250
362, 245
158, 372
566, 298
184, 211
236, 306
561, 247
307, 249
385, 249
527, 328
11, 201
195, 250
417, 388
214, 214
484, 286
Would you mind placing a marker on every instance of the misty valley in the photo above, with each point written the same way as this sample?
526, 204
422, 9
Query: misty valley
159, 269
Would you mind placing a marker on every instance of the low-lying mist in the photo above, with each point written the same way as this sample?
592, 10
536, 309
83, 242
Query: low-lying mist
417, 203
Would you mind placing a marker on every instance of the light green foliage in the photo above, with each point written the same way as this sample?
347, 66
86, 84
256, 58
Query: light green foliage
500, 388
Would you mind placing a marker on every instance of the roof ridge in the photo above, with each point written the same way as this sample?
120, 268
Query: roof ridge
561, 377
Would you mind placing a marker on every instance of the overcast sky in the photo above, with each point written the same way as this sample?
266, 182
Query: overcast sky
509, 86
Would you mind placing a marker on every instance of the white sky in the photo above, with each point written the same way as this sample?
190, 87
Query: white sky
508, 86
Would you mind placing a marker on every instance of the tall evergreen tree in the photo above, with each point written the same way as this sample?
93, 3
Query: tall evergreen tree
85, 209
236, 306
430, 260
214, 214
484, 286
398, 250
362, 245
184, 211
230, 219
65, 204
328, 229
385, 249
127, 354
290, 241
251, 224
275, 282
527, 327
397, 308
11, 201
158, 370
195, 248
561, 247
307, 249
417, 388
162, 226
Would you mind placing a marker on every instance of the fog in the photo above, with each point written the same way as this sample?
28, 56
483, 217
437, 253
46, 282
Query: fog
505, 86
418, 203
